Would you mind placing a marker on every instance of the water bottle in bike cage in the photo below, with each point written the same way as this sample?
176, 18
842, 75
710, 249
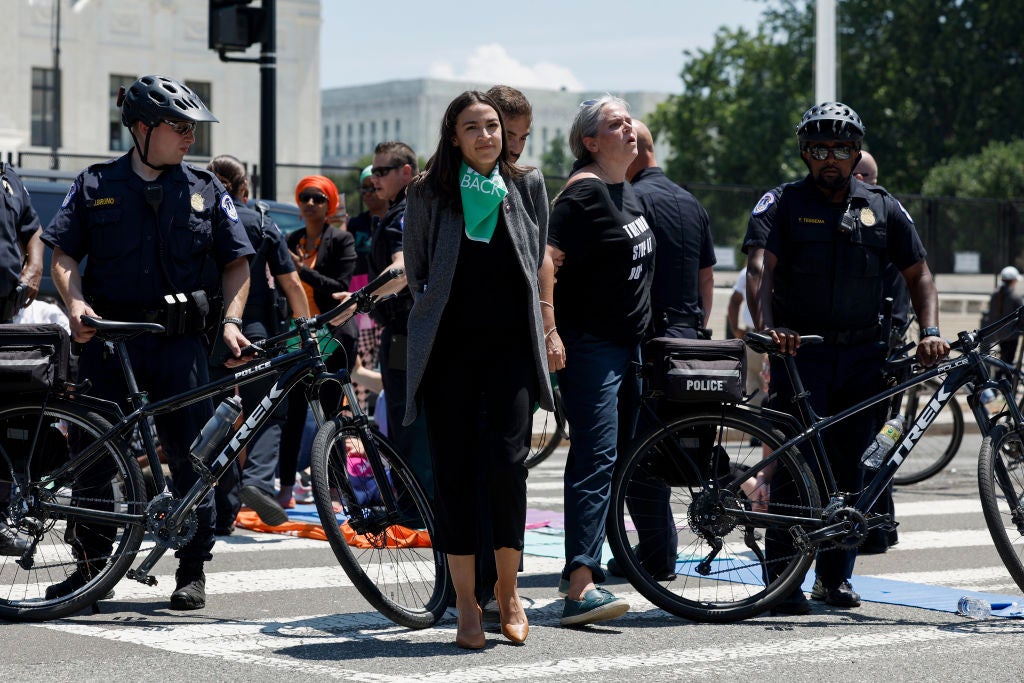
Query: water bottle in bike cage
883, 443
213, 432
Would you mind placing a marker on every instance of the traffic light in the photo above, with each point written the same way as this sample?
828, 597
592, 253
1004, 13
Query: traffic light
234, 26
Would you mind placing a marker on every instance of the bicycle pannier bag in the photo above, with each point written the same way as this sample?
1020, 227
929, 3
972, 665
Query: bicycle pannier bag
33, 358
696, 370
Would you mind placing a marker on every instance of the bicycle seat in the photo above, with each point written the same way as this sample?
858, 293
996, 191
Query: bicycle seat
119, 329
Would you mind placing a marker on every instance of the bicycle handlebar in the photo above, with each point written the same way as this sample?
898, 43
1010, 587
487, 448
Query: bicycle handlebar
363, 298
763, 343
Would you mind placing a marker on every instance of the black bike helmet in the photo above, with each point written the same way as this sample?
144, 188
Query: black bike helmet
152, 98
830, 121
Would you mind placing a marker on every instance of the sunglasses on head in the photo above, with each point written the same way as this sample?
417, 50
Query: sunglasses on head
821, 152
181, 127
381, 171
312, 197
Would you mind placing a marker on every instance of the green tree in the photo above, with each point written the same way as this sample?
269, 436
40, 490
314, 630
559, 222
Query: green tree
932, 79
556, 160
996, 172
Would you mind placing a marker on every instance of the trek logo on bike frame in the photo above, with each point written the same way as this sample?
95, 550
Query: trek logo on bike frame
928, 416
250, 424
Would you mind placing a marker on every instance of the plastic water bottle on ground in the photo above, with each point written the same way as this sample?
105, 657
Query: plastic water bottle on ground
883, 443
973, 608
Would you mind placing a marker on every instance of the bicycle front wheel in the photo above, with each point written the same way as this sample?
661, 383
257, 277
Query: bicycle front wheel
80, 509
385, 549
677, 524
1001, 484
938, 445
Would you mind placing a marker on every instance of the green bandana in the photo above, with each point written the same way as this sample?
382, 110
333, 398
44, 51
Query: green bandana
481, 200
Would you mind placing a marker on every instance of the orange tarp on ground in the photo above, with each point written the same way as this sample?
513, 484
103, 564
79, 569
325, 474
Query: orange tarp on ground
398, 536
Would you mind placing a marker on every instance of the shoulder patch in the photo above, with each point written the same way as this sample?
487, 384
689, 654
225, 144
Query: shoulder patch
905, 212
763, 203
229, 207
70, 195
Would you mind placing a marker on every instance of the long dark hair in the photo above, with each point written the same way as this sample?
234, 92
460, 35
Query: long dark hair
441, 176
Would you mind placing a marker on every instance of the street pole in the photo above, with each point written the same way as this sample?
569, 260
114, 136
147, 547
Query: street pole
55, 133
268, 102
825, 51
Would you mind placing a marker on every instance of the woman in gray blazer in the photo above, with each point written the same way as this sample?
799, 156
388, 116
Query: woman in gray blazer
480, 344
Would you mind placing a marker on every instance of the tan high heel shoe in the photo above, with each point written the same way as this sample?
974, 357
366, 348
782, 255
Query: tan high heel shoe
515, 632
471, 642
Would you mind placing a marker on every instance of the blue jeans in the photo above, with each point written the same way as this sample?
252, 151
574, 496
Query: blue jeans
600, 393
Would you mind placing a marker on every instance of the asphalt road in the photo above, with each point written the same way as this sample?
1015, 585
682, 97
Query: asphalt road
280, 608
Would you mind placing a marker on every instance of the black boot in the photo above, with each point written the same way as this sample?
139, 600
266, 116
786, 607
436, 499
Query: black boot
190, 591
11, 544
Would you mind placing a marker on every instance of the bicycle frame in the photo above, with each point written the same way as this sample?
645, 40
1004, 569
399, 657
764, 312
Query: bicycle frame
294, 367
971, 369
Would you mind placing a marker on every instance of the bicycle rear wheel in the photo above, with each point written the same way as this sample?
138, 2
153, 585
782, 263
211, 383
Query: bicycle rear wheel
552, 432
76, 557
386, 553
939, 444
666, 517
1001, 484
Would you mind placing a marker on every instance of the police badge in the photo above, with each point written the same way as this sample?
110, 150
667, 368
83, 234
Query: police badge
867, 217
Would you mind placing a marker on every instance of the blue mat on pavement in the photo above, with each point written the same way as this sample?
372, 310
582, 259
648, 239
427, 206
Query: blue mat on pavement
550, 543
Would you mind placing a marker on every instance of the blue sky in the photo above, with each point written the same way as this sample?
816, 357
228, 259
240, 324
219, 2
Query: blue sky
580, 44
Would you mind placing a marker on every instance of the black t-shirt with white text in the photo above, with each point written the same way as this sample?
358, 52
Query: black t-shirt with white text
604, 286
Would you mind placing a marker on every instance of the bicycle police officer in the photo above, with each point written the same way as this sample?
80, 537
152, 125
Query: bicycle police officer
163, 240
826, 241
21, 270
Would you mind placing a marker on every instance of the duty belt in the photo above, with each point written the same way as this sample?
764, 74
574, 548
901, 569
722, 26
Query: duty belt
852, 337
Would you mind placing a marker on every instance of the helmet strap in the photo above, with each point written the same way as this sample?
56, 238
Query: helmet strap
143, 150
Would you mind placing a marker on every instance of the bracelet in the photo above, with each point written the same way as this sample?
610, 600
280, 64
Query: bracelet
550, 332
548, 304
236, 321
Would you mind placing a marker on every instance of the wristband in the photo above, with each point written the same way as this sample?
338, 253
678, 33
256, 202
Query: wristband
236, 321
930, 332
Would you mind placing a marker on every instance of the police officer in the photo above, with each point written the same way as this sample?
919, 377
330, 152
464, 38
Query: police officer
826, 241
150, 226
681, 296
272, 278
21, 269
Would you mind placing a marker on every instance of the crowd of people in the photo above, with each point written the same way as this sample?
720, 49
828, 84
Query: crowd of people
502, 287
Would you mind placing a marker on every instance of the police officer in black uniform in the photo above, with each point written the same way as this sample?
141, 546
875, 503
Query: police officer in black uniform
681, 296
151, 226
272, 279
394, 165
21, 269
826, 242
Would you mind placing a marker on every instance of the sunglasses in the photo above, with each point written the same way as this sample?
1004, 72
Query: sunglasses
588, 103
367, 189
821, 152
312, 197
181, 127
381, 171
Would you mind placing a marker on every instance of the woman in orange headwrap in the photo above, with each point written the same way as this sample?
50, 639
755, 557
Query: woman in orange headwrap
325, 257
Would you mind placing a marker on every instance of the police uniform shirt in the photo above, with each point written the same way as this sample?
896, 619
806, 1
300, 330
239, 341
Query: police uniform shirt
683, 232
136, 256
603, 288
18, 223
277, 261
384, 244
829, 277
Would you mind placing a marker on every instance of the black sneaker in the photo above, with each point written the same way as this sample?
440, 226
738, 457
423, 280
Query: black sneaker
11, 544
842, 595
796, 603
265, 505
190, 590
69, 585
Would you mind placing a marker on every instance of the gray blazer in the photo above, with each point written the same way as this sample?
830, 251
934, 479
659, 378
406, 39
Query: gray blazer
430, 277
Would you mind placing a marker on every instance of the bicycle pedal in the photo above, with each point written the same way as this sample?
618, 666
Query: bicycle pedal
800, 539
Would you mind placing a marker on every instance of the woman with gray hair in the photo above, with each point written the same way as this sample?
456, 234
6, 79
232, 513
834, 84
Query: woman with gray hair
604, 252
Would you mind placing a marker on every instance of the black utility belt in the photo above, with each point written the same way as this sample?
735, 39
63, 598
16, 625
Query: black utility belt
182, 313
14, 302
853, 337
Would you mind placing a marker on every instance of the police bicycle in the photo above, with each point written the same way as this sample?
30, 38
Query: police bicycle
72, 476
728, 488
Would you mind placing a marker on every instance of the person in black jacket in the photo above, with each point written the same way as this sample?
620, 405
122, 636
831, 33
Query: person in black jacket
325, 258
